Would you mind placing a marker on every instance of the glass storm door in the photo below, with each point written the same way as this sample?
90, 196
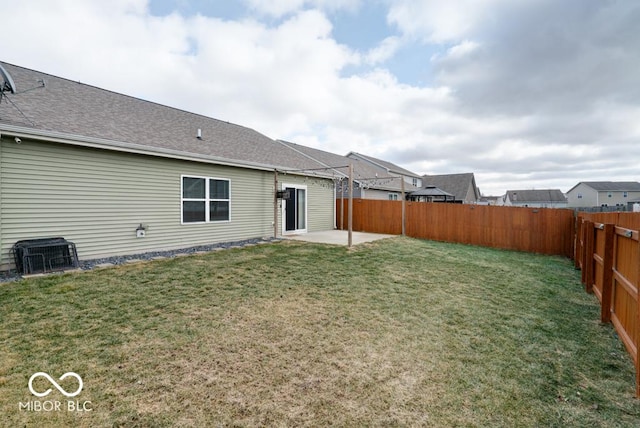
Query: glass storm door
295, 209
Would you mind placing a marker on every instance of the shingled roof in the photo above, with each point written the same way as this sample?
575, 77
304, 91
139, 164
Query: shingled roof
536, 196
75, 111
612, 186
456, 184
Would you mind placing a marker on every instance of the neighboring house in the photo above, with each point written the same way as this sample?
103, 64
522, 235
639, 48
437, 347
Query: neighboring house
369, 181
461, 186
412, 180
603, 193
92, 165
431, 194
490, 200
543, 198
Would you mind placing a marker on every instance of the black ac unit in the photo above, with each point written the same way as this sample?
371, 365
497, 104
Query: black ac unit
44, 255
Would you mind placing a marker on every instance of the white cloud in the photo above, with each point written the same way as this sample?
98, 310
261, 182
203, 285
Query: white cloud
461, 50
441, 21
384, 51
278, 8
275, 7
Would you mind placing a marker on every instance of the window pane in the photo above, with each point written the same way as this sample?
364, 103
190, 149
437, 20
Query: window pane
193, 188
193, 211
218, 211
302, 209
218, 189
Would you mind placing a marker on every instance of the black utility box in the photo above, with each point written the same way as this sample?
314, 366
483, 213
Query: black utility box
44, 255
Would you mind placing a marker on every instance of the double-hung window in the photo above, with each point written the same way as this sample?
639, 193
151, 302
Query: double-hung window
205, 199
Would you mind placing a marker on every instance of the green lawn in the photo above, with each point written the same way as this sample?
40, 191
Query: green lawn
400, 332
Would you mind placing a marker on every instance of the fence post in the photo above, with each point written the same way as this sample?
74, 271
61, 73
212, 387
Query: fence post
587, 266
350, 213
607, 273
637, 361
577, 248
403, 206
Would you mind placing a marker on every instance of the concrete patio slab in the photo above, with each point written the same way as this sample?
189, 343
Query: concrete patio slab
337, 237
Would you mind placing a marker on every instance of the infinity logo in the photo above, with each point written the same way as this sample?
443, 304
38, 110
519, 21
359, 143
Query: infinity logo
55, 384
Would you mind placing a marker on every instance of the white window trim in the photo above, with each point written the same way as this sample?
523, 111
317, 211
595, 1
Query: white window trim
206, 199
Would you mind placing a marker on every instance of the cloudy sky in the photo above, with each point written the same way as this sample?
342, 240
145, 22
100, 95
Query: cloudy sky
524, 93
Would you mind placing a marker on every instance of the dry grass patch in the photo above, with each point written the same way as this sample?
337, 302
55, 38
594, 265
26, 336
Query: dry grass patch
395, 333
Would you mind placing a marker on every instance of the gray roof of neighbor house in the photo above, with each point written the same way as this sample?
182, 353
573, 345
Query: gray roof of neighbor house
385, 165
612, 186
431, 191
366, 174
72, 111
541, 195
456, 184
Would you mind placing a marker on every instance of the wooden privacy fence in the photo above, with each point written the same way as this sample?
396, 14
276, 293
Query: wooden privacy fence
608, 252
536, 230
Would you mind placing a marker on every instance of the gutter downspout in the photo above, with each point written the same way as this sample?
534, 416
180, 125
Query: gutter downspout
342, 204
275, 203
335, 205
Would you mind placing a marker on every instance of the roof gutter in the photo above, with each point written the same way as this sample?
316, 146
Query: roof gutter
106, 144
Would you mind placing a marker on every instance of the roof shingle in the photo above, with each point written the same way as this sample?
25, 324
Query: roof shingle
614, 186
76, 109
538, 196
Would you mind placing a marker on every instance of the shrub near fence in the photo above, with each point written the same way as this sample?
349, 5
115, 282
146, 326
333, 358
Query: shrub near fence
536, 230
608, 252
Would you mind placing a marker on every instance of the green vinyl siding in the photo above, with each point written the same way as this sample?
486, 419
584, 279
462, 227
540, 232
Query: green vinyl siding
97, 198
320, 200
